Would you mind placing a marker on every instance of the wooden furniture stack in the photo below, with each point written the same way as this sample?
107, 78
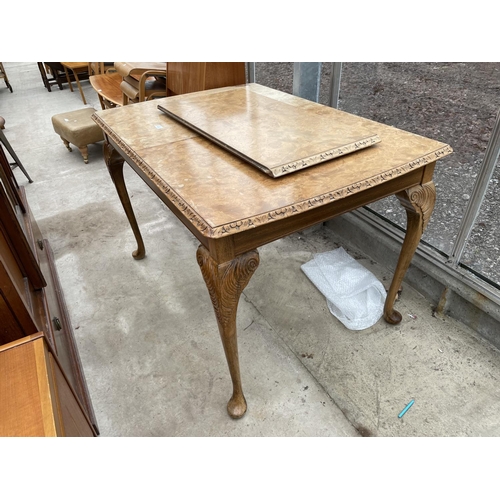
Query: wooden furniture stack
42, 385
124, 86
142, 81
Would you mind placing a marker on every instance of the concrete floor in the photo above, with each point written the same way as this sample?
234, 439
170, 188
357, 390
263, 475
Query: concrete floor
148, 338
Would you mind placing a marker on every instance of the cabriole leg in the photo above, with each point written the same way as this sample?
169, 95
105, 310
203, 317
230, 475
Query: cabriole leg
114, 162
418, 201
225, 282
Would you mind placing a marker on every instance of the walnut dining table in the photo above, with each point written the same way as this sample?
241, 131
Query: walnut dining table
233, 208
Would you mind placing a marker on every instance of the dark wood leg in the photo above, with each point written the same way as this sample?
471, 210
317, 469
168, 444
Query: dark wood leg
17, 161
101, 101
114, 162
418, 201
58, 80
48, 82
43, 74
225, 282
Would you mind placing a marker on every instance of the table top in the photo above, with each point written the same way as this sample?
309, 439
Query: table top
108, 86
76, 65
272, 135
221, 194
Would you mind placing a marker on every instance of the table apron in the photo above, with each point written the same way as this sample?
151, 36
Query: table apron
261, 235
251, 239
161, 195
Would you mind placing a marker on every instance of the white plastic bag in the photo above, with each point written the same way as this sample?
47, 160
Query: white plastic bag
353, 294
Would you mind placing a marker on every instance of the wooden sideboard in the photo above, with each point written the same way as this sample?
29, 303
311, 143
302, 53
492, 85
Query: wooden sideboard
36, 397
34, 319
187, 77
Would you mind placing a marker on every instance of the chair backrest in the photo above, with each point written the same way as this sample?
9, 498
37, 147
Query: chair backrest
99, 68
142, 80
186, 77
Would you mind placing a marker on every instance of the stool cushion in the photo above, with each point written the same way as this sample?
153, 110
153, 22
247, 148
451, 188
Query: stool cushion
78, 127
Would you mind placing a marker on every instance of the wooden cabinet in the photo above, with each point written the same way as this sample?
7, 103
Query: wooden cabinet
37, 399
32, 304
187, 77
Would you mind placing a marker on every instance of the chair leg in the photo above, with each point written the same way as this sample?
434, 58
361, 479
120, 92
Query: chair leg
85, 153
68, 79
66, 143
17, 161
4, 76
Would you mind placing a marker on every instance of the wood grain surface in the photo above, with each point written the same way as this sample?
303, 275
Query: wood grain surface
274, 136
184, 167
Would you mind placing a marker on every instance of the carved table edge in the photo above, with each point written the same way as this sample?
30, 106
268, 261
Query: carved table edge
214, 232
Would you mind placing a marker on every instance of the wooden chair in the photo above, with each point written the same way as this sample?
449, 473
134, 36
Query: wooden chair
181, 78
8, 147
52, 75
142, 81
101, 68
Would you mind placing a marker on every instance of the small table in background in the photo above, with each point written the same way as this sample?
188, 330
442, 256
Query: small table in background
108, 89
76, 67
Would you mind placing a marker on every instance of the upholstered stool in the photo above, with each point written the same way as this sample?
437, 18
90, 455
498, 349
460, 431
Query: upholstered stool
78, 128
